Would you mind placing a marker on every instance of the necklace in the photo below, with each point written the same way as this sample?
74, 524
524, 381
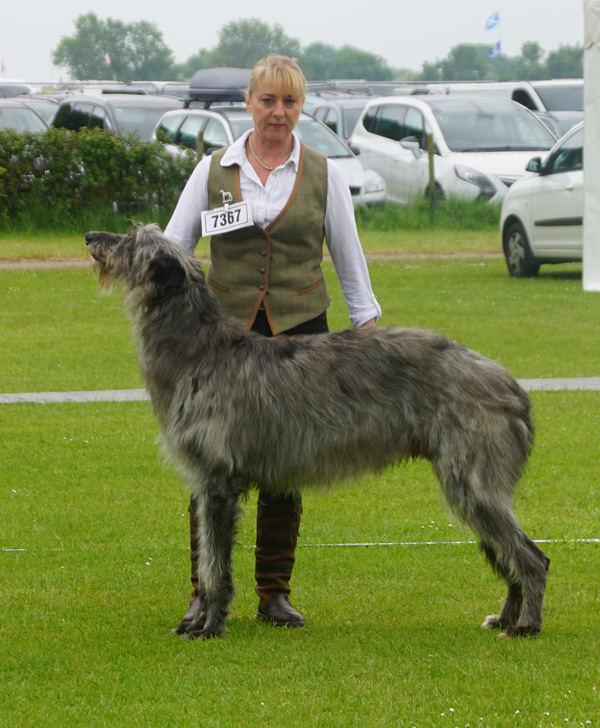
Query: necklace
262, 164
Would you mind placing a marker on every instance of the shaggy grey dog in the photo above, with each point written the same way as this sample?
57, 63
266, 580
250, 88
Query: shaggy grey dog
293, 412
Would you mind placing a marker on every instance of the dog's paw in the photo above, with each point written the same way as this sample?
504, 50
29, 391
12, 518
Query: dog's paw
205, 634
186, 624
492, 621
201, 628
521, 630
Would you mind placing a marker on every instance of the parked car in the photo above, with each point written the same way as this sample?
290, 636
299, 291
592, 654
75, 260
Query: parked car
119, 113
542, 214
44, 104
221, 125
16, 115
561, 99
481, 144
339, 112
355, 85
11, 87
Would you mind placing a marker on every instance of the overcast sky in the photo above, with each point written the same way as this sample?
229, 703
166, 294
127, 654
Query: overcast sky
404, 34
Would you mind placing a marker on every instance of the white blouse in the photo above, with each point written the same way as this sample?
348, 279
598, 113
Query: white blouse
267, 201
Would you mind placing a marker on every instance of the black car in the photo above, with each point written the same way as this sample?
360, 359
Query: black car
119, 113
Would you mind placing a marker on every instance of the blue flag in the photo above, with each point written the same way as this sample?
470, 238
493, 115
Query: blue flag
495, 51
492, 21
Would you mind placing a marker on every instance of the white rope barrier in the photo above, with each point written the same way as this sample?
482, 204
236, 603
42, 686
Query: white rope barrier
365, 544
590, 384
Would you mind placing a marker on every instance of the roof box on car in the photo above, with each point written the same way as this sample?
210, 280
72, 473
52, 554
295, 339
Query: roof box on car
219, 84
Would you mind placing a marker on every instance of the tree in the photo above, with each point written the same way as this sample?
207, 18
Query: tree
125, 52
244, 42
150, 58
529, 65
467, 62
471, 62
350, 62
566, 62
202, 59
315, 61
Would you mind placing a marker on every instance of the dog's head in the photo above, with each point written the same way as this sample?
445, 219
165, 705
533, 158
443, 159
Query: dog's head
150, 265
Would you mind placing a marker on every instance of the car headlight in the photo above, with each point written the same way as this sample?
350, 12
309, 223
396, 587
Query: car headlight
472, 176
374, 183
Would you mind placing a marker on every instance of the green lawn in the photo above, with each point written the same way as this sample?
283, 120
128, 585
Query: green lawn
392, 635
63, 247
94, 559
58, 332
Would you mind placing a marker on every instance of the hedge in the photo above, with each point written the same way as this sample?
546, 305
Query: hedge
66, 173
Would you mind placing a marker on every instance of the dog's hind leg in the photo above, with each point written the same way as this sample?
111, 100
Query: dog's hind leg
534, 565
480, 497
218, 514
513, 604
519, 561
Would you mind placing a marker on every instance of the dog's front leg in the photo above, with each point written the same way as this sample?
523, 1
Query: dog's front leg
218, 513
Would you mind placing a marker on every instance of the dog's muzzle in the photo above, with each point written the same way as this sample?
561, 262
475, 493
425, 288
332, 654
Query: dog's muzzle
96, 243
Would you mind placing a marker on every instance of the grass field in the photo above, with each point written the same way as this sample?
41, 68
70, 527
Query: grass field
386, 242
93, 539
454, 226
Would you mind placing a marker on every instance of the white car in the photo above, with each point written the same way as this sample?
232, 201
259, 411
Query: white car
481, 144
221, 125
558, 102
542, 214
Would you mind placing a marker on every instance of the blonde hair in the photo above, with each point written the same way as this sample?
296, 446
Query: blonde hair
278, 72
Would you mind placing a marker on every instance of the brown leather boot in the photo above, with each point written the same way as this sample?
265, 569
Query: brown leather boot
277, 528
194, 599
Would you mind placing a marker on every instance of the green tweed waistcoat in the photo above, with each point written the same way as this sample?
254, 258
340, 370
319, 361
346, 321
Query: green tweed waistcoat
277, 268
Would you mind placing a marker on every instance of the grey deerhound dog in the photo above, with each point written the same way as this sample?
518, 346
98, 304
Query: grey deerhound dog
292, 412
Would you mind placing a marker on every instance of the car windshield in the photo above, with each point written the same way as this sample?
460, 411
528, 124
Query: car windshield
20, 120
493, 125
309, 130
45, 109
137, 119
561, 98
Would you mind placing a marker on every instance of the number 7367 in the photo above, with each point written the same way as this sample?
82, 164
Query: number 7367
226, 218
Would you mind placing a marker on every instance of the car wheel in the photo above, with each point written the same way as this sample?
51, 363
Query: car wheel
519, 259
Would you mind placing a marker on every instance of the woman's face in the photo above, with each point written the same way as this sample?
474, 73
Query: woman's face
274, 113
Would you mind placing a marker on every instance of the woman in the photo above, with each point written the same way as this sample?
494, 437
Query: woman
268, 275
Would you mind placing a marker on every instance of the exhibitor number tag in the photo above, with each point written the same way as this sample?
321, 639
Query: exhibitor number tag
227, 218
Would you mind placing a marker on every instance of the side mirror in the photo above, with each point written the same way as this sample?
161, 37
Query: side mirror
412, 144
534, 165
354, 149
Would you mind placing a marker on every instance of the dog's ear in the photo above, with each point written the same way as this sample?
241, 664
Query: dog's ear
167, 274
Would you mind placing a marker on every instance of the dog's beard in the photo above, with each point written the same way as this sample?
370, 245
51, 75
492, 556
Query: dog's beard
106, 280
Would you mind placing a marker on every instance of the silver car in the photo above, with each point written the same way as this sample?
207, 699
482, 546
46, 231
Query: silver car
18, 116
